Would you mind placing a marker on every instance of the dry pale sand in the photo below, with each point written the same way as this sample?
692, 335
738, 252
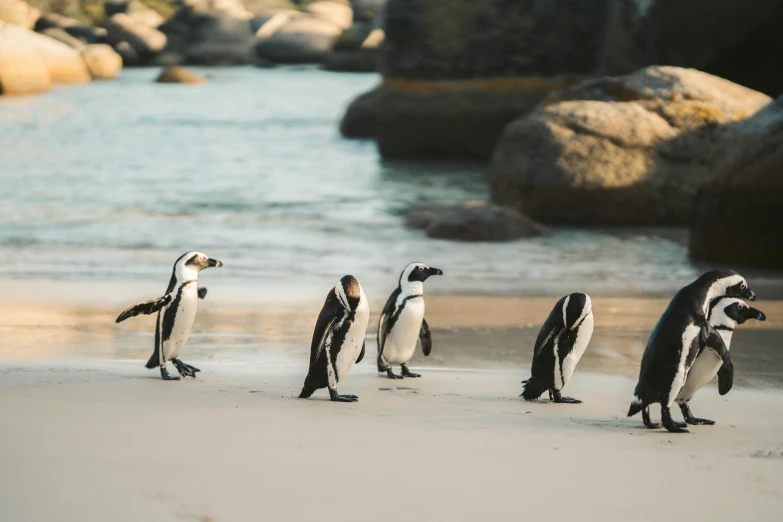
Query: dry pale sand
88, 434
84, 441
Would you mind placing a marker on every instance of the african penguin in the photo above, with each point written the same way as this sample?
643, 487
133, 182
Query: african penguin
176, 312
681, 332
725, 314
338, 339
402, 321
560, 344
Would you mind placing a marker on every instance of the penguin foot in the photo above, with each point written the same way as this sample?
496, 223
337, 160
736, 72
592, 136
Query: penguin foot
407, 373
695, 421
185, 370
690, 419
557, 398
646, 419
164, 374
669, 423
336, 397
391, 375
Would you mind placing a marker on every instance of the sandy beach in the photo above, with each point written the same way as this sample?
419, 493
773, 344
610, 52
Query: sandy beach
88, 434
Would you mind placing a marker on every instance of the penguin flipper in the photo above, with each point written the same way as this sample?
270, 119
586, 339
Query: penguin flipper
330, 312
202, 292
425, 337
361, 354
383, 323
725, 379
145, 307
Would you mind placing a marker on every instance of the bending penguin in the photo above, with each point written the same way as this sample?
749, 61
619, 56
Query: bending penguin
560, 344
176, 313
338, 339
724, 316
681, 333
402, 321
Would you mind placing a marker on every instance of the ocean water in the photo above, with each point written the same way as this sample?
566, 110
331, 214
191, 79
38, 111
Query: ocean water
114, 180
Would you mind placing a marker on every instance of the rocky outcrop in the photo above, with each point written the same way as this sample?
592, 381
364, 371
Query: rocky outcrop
18, 12
102, 61
175, 74
737, 213
629, 150
146, 41
360, 120
22, 70
475, 221
337, 13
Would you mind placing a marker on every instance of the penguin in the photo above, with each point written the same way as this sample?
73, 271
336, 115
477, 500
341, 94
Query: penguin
176, 312
724, 315
678, 337
338, 339
560, 344
402, 321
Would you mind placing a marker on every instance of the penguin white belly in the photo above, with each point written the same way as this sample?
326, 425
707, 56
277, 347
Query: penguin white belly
583, 335
688, 337
183, 322
354, 339
703, 370
401, 340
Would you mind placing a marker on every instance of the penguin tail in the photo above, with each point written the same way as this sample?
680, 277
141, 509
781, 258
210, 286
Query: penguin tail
153, 362
306, 392
637, 405
532, 389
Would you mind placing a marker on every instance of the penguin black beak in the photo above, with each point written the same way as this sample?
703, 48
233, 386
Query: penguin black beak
214, 262
760, 315
751, 295
434, 271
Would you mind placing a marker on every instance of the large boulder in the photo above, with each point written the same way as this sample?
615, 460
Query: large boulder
737, 213
453, 119
22, 69
103, 62
146, 41
302, 39
63, 63
629, 150
360, 120
18, 12
135, 9
357, 49
728, 38
475, 221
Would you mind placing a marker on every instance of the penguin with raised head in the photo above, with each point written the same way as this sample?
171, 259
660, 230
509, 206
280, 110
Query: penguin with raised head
338, 339
560, 344
724, 316
402, 321
681, 332
176, 313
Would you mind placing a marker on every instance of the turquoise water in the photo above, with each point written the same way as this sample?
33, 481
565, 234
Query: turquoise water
114, 180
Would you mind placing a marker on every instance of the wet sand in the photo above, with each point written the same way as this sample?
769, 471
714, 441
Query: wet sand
88, 434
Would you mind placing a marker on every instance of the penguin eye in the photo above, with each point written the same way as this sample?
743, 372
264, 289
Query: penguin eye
744, 286
740, 306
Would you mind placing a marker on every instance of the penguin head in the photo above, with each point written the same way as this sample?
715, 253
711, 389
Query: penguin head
349, 292
735, 310
576, 307
728, 283
198, 261
418, 272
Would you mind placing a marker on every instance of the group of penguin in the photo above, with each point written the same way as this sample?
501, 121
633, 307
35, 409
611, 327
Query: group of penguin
687, 348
